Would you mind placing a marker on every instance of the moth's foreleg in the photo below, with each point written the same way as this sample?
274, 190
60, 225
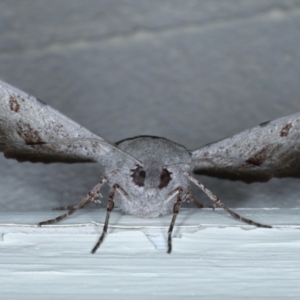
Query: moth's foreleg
88, 198
216, 201
110, 206
176, 209
95, 200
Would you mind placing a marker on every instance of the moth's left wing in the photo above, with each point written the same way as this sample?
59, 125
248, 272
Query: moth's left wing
271, 149
30, 130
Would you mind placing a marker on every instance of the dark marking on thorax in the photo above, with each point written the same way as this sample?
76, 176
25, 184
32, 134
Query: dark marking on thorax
285, 130
13, 104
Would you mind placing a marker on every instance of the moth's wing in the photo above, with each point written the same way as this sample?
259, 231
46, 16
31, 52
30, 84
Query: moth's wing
271, 149
30, 130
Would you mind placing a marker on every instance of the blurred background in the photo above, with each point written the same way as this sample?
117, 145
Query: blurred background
191, 71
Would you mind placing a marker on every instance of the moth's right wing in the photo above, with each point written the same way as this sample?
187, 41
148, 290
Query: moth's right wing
269, 150
30, 130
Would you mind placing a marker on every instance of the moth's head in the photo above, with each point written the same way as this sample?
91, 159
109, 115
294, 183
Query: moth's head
151, 183
150, 188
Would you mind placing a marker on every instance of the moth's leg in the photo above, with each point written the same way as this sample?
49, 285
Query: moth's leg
176, 209
110, 206
88, 198
95, 200
190, 198
216, 201
123, 192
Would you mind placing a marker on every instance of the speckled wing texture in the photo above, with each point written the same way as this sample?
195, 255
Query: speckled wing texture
30, 130
271, 149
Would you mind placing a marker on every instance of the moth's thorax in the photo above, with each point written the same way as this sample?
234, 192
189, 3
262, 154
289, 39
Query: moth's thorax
149, 185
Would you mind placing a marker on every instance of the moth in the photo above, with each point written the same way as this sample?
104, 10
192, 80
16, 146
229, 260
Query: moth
149, 176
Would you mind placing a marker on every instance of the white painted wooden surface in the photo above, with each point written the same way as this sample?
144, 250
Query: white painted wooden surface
214, 256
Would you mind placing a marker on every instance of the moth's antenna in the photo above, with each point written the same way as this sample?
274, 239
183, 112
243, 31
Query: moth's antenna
171, 195
178, 164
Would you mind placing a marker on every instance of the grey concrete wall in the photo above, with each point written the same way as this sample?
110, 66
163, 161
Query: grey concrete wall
191, 71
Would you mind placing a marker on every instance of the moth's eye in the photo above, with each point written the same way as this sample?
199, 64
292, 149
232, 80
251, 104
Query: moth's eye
165, 177
139, 176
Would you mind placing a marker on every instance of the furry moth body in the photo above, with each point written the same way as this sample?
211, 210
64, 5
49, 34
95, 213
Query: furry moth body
149, 176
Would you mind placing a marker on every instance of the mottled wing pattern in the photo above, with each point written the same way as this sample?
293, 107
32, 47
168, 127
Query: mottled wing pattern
271, 149
30, 130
